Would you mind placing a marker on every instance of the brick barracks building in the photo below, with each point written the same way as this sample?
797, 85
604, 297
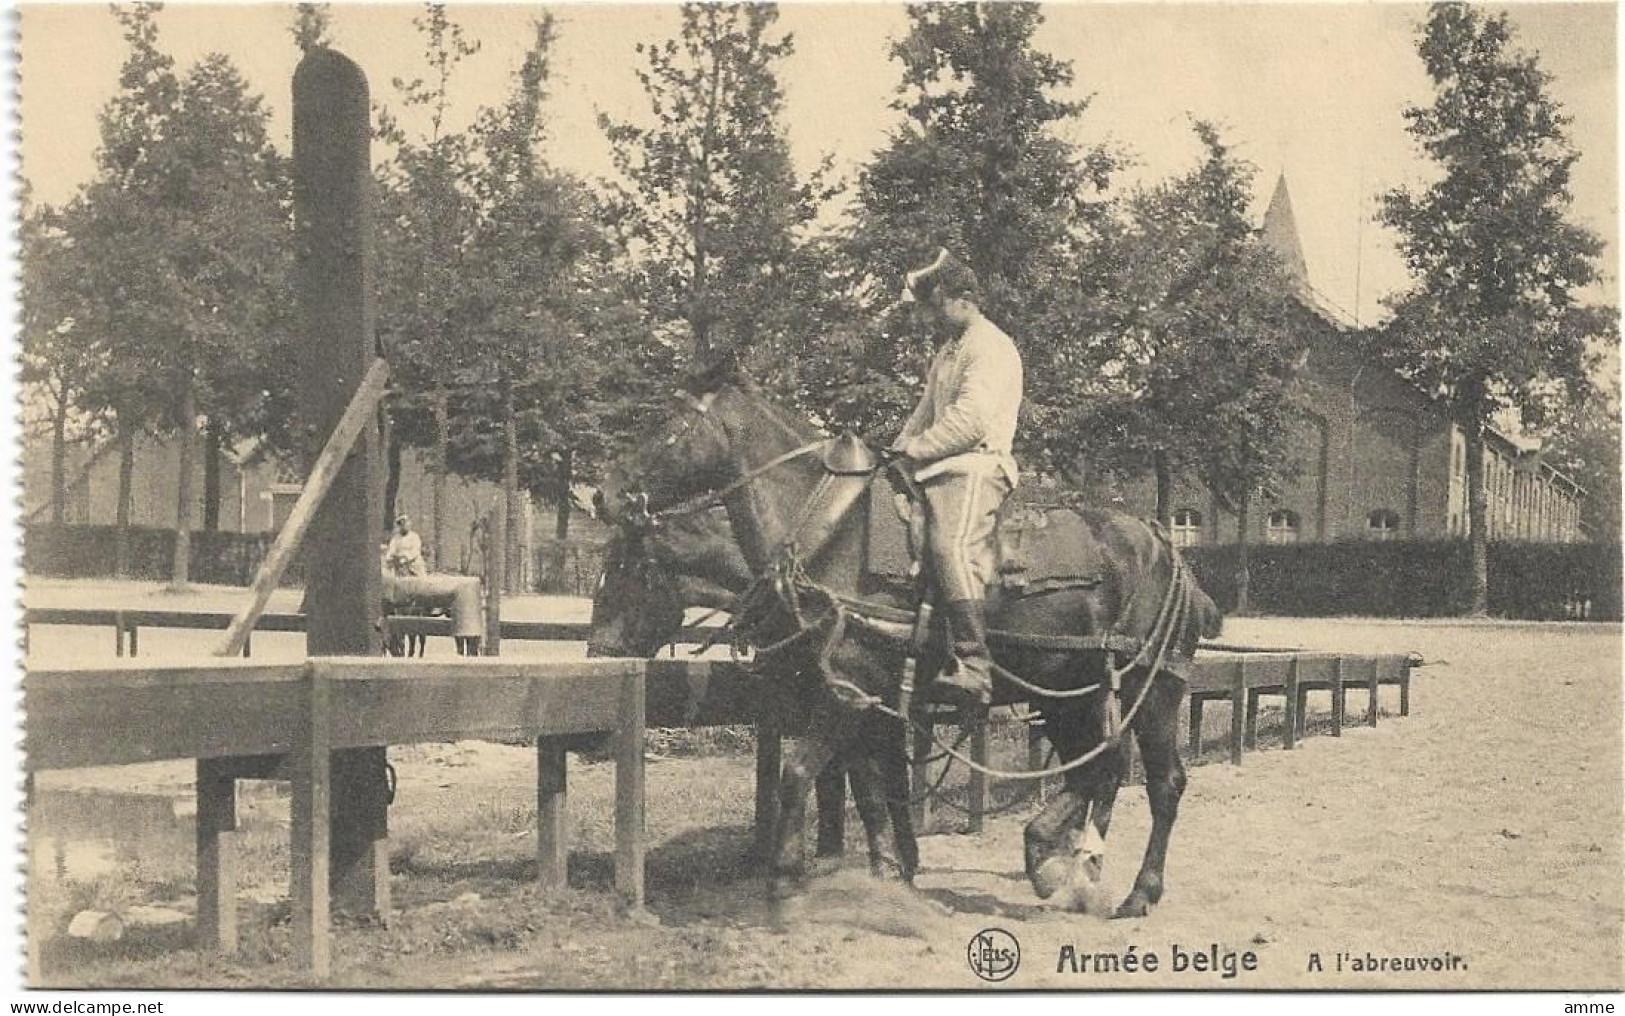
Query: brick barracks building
1377, 460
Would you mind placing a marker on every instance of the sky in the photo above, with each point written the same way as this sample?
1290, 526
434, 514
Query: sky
1313, 91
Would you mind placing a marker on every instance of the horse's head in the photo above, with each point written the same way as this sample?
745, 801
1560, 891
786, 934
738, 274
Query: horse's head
637, 607
655, 568
692, 452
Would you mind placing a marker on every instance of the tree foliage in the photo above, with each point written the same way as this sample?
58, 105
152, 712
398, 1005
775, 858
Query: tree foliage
1204, 327
1493, 320
981, 164
709, 200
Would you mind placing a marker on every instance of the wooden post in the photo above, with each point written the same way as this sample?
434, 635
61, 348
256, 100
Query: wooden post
33, 919
1405, 690
1253, 696
310, 817
978, 788
552, 832
496, 567
333, 193
629, 839
1373, 683
134, 632
216, 858
118, 633
769, 762
1238, 706
1197, 702
1290, 735
1338, 699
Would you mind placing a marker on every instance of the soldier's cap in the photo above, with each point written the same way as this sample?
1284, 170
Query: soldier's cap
946, 273
402, 518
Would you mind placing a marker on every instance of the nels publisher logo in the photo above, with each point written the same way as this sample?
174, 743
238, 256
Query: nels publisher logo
994, 954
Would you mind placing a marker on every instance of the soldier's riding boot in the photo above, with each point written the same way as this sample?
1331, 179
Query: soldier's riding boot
968, 681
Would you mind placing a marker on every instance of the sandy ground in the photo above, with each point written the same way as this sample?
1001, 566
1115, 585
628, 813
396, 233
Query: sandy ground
1484, 831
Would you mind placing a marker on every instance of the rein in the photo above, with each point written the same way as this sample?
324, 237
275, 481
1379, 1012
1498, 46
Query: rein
705, 500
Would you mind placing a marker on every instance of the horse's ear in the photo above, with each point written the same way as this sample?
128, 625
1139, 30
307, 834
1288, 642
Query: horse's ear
719, 369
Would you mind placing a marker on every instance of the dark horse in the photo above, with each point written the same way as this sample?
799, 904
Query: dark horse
652, 574
1079, 652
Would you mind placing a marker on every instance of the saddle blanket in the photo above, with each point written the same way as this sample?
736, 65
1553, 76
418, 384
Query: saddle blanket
1039, 547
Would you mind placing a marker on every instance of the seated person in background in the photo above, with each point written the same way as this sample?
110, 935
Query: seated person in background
404, 555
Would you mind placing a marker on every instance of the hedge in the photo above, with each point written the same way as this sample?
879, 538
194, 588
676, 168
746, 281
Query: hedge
218, 558
1421, 578
1416, 578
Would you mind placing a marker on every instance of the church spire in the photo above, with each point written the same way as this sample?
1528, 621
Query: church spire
1281, 234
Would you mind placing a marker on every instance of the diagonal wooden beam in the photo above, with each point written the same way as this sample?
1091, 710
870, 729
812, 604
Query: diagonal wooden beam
358, 415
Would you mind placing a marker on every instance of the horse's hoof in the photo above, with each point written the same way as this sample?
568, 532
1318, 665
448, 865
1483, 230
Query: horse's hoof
1135, 906
1050, 876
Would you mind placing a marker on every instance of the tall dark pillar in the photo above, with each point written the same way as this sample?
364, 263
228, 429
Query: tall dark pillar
333, 219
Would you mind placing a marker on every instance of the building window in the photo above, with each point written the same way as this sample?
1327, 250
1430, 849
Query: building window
1282, 527
1187, 527
1382, 524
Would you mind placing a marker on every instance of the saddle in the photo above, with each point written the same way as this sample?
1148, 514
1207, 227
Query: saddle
1038, 548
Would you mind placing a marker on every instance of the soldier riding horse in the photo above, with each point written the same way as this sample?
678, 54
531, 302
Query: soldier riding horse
1094, 618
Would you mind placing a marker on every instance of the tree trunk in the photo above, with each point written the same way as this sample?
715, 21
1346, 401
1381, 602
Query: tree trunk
181, 566
561, 522
510, 493
59, 465
1477, 519
212, 442
442, 439
1244, 575
1165, 490
392, 476
126, 483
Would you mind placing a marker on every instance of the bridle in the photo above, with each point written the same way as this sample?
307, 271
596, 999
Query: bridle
705, 500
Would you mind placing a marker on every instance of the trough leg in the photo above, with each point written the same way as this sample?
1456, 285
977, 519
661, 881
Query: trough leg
118, 635
1372, 685
33, 924
1339, 699
978, 781
360, 839
769, 761
310, 773
552, 835
1405, 691
1238, 708
923, 744
216, 856
629, 840
1196, 727
135, 640
1253, 695
1291, 709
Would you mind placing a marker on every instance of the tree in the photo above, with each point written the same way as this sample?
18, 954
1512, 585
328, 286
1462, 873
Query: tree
312, 26
980, 164
1202, 318
552, 315
1585, 444
709, 200
59, 358
1492, 321
425, 214
182, 239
